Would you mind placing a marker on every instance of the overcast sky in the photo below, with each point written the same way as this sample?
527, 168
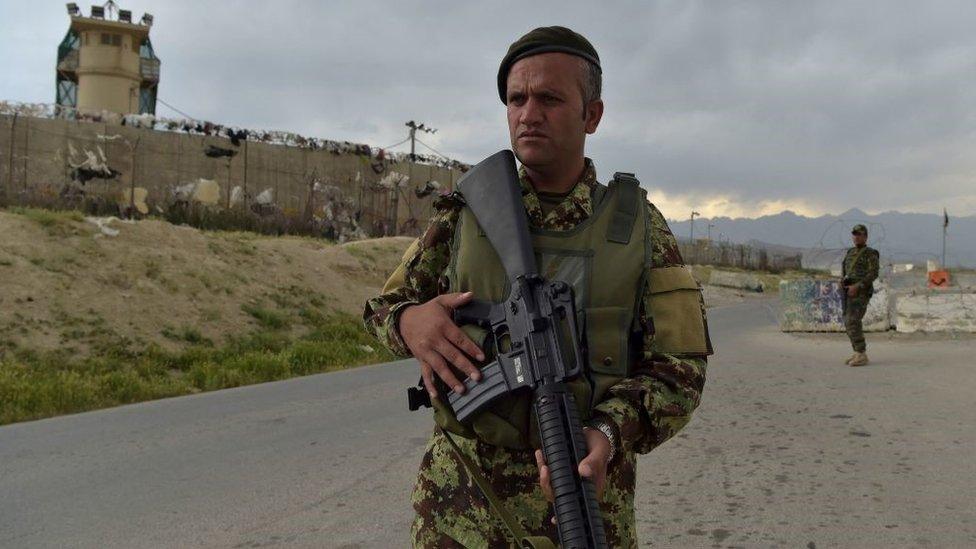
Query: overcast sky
733, 108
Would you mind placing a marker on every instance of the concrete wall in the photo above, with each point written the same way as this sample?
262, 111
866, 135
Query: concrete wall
36, 155
732, 279
950, 310
703, 252
808, 305
918, 278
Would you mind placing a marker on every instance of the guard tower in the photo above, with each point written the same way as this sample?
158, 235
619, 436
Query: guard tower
106, 62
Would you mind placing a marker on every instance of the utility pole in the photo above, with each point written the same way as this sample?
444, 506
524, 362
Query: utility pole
414, 127
945, 229
710, 232
694, 249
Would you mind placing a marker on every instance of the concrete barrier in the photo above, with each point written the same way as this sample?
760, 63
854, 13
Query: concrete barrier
740, 281
808, 305
941, 310
917, 279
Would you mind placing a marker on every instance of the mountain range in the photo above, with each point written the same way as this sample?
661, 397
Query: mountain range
900, 237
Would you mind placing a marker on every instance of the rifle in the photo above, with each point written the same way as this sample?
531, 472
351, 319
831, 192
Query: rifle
535, 333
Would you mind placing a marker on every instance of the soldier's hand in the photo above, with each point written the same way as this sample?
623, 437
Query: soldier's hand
436, 342
852, 290
593, 466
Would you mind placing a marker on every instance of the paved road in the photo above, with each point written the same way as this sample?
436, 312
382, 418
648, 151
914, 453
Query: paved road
789, 449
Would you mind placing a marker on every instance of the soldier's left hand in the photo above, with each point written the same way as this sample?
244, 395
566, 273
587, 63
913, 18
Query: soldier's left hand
852, 291
593, 466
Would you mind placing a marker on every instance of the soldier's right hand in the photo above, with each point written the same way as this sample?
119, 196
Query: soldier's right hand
436, 342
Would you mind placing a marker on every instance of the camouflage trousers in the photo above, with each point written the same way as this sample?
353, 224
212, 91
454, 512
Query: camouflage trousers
854, 309
452, 511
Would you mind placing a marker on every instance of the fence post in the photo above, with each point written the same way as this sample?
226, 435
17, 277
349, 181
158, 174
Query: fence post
26, 153
244, 184
179, 161
10, 162
132, 176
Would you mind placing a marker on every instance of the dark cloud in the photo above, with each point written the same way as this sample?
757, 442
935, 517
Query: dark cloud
816, 106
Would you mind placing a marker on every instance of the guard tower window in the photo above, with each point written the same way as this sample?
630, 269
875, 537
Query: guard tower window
146, 50
109, 39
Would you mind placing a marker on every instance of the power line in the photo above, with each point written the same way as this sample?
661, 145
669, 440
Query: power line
397, 144
175, 109
438, 153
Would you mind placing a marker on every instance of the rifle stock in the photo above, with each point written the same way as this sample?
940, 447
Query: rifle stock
491, 189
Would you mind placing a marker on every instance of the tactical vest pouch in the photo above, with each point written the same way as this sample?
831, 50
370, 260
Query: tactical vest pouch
506, 423
675, 306
607, 329
444, 418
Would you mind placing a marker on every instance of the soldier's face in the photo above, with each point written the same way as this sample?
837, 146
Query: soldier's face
547, 121
859, 239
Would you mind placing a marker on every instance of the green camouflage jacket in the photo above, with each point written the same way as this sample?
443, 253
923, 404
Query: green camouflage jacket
647, 408
860, 267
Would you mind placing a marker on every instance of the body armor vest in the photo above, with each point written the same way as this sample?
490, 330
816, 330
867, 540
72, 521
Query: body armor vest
605, 260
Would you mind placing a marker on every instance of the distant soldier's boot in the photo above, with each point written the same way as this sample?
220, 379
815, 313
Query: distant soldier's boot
849, 359
859, 359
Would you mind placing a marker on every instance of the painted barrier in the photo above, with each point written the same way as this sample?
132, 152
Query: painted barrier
808, 305
948, 310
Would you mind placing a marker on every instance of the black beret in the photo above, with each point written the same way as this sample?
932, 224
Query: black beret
544, 40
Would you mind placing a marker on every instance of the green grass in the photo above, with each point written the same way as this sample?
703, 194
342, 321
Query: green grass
47, 218
266, 317
58, 223
36, 385
363, 254
188, 334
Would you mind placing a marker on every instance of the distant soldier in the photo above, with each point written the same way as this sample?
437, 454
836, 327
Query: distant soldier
859, 271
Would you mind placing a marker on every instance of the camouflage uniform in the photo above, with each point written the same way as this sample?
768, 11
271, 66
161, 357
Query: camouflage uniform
860, 269
647, 408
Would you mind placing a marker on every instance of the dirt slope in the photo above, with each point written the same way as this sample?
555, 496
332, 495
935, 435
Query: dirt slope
66, 282
76, 283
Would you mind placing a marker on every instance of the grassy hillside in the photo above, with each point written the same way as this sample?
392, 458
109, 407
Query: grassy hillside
94, 316
101, 312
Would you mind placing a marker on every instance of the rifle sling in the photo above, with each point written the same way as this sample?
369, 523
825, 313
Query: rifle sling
625, 214
854, 261
514, 528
